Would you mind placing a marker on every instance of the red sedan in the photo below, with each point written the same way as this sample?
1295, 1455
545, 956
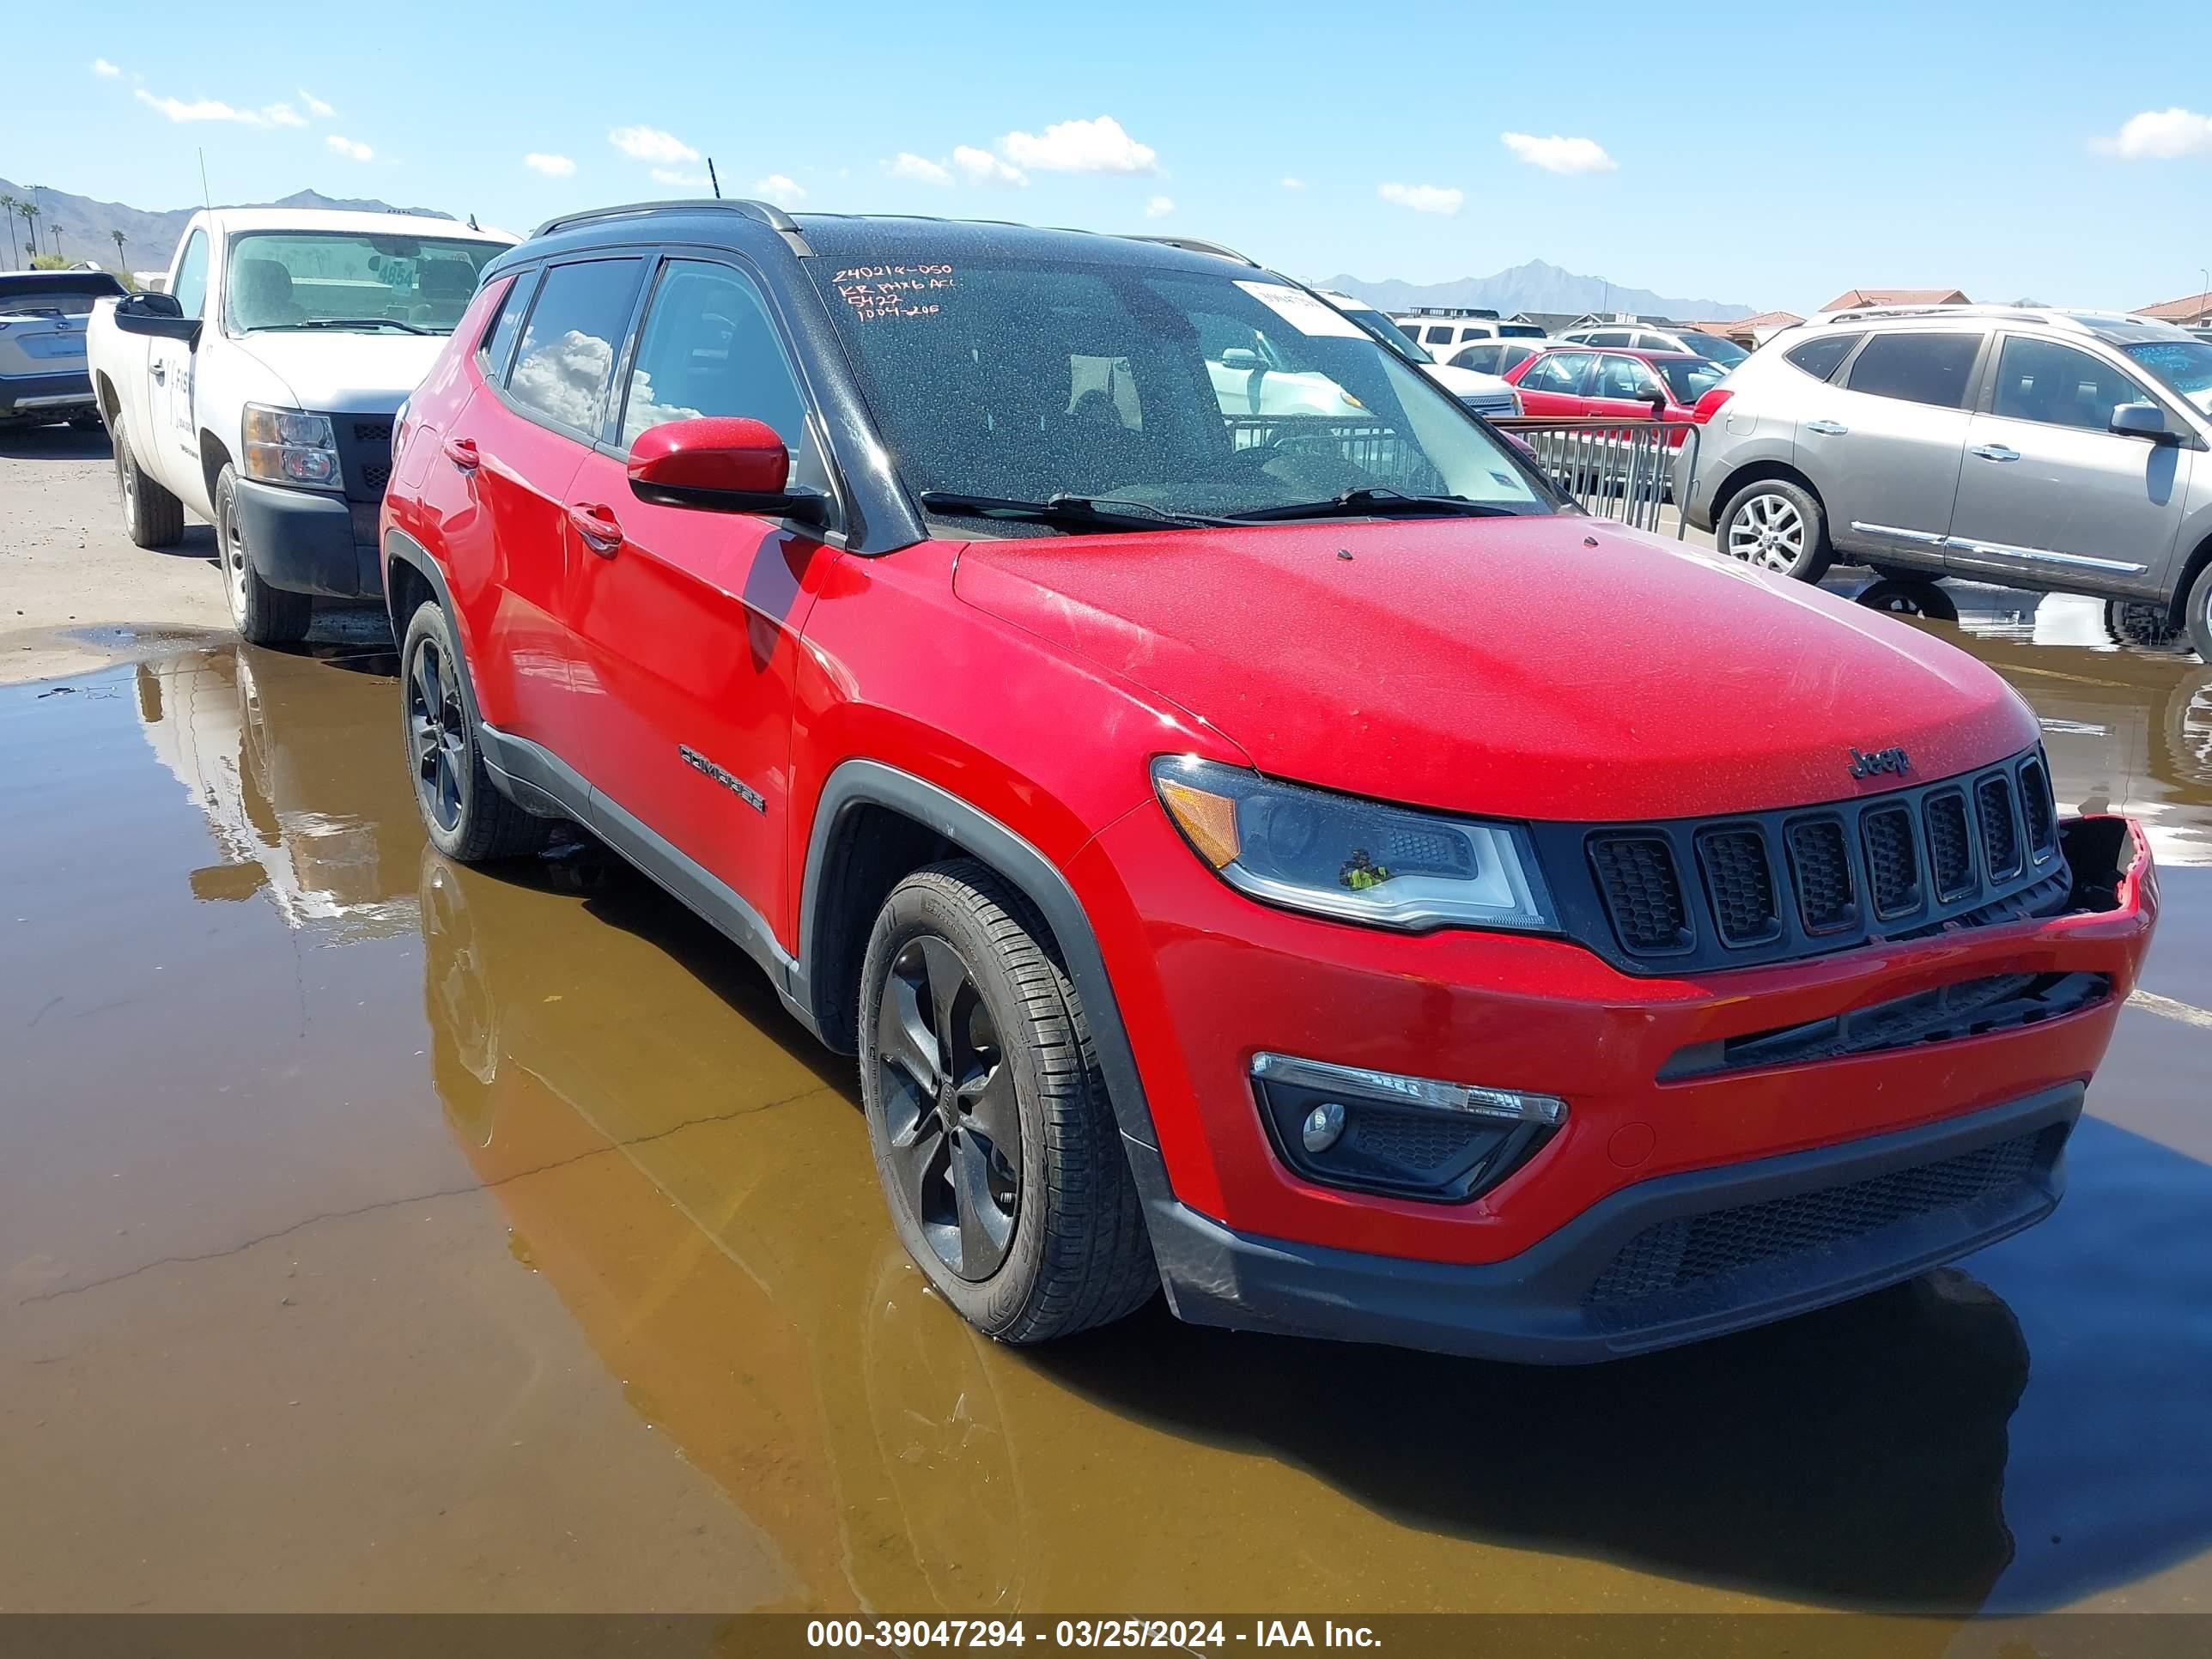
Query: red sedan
1621, 386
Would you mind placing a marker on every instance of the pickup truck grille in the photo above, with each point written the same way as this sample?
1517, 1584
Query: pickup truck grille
364, 454
1685, 894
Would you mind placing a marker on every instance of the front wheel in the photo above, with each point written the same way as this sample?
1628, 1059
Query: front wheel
1776, 526
262, 615
992, 1132
2197, 613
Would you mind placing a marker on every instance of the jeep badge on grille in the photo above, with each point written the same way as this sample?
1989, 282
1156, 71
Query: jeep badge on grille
1881, 760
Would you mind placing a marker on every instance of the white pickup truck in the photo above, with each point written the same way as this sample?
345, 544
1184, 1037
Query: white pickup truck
258, 390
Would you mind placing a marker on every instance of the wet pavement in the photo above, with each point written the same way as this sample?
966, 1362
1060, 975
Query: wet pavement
376, 1233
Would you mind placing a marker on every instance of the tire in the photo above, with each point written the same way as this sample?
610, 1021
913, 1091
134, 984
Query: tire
262, 615
2197, 613
961, 982
1774, 525
1903, 573
88, 422
152, 517
467, 816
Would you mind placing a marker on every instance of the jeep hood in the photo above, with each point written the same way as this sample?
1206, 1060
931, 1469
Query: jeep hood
1553, 667
327, 370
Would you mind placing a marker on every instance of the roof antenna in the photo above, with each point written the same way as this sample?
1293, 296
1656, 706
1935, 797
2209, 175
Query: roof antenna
712, 179
206, 201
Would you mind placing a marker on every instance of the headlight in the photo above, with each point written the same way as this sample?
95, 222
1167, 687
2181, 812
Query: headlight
284, 446
1357, 861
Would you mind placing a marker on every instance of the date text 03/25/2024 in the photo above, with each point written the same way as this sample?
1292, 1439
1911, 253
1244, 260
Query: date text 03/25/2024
1185, 1634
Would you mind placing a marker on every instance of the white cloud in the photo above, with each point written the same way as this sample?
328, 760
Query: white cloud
1098, 146
316, 106
1294, 183
1160, 207
677, 176
1423, 198
553, 167
563, 376
1558, 154
651, 144
104, 70
2159, 135
920, 169
214, 109
352, 150
778, 188
984, 168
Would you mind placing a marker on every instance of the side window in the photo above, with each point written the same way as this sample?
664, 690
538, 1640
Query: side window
1437, 335
1561, 372
566, 361
2043, 380
1820, 358
1920, 369
710, 348
1483, 358
191, 286
1623, 378
498, 343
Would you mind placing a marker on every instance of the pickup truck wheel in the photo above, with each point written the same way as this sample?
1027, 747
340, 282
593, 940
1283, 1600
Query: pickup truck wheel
1774, 525
2198, 613
466, 816
992, 1135
262, 615
152, 517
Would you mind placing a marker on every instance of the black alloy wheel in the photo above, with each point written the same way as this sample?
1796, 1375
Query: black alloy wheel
437, 732
950, 1112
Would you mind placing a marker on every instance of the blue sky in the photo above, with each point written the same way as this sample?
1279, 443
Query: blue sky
1770, 155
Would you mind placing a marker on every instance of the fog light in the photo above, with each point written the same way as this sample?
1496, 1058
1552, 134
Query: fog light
1323, 1125
1380, 1131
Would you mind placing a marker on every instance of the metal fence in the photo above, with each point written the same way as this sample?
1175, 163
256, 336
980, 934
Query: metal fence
1620, 470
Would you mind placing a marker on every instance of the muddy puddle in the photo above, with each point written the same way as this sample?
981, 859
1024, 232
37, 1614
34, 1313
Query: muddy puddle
377, 1233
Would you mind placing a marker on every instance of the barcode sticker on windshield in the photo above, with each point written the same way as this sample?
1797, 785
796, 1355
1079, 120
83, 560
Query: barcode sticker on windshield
1302, 312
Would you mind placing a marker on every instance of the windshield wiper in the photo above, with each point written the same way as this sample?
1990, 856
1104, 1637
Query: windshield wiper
1075, 512
1379, 504
350, 322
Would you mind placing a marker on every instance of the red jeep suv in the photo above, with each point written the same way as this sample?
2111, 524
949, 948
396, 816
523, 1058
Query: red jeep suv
1261, 842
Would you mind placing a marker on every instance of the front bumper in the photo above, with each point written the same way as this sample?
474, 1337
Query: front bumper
307, 543
1661, 1262
49, 395
1205, 979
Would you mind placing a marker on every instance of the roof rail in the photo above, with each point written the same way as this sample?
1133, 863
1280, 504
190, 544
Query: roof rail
1861, 313
766, 213
1192, 245
1486, 312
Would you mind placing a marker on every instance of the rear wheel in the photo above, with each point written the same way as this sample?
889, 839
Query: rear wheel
152, 517
992, 1135
466, 816
2197, 614
1774, 525
262, 615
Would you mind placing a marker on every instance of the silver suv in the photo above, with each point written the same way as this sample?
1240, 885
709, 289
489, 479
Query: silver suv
2062, 450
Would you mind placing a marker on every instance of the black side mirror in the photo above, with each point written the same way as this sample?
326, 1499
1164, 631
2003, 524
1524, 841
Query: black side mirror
159, 315
2142, 420
1657, 399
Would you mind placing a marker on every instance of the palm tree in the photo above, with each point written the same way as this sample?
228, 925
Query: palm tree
122, 266
30, 212
8, 206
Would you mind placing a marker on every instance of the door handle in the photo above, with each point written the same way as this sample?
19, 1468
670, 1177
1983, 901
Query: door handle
161, 374
462, 452
597, 525
1827, 428
1994, 453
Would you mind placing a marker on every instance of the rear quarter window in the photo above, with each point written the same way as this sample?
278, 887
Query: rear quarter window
1820, 358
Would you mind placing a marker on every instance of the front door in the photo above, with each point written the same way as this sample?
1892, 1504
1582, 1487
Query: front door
1553, 386
174, 446
686, 620
2049, 494
1883, 447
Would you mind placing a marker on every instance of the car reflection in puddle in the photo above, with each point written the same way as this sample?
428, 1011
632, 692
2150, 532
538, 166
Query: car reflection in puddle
690, 1175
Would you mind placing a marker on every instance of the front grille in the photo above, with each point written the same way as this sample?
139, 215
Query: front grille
364, 454
1643, 892
1892, 864
375, 474
2000, 837
1491, 404
1823, 870
372, 432
1679, 1255
1768, 886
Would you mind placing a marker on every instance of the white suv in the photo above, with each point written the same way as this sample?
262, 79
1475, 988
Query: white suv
1642, 337
2060, 450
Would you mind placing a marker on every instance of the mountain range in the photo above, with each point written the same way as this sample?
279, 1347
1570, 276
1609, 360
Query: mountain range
1535, 286
87, 227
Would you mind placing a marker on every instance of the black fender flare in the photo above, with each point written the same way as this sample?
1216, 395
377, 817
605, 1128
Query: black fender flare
865, 782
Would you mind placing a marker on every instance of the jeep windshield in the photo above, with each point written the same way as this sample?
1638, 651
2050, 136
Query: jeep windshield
2184, 365
1196, 395
351, 281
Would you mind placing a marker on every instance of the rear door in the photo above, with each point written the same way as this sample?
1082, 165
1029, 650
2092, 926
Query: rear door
687, 619
1882, 442
2048, 492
